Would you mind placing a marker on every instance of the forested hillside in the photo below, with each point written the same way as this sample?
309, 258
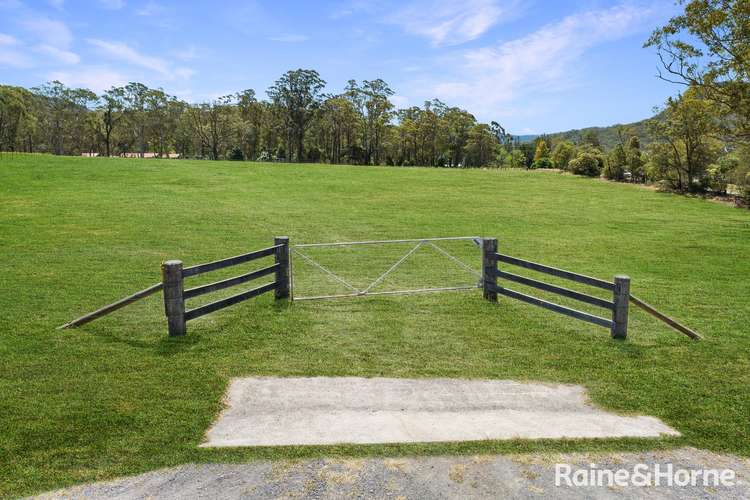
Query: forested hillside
609, 136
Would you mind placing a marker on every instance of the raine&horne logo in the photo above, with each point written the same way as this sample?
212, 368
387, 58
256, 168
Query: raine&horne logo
642, 475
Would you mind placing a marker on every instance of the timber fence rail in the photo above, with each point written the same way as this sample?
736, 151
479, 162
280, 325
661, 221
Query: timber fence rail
617, 307
103, 311
175, 295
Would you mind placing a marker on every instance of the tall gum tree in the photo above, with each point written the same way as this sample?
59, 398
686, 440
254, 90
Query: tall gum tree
297, 94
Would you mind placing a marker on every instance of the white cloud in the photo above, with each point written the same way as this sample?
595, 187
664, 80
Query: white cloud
124, 52
10, 4
91, 77
49, 31
353, 7
183, 73
7, 40
289, 38
10, 53
399, 101
112, 4
150, 9
57, 4
184, 94
544, 60
14, 58
447, 22
187, 54
64, 56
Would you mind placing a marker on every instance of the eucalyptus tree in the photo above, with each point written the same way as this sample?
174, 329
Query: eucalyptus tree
297, 95
481, 146
408, 135
635, 160
111, 108
337, 127
162, 117
214, 123
135, 96
250, 124
13, 111
376, 111
458, 124
707, 46
685, 144
64, 116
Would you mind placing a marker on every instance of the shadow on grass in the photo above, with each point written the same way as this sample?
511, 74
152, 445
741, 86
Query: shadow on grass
628, 348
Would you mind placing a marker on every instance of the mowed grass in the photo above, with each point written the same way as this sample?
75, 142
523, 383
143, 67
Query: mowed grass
119, 397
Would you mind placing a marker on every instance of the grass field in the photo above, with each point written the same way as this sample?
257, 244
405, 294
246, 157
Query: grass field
119, 397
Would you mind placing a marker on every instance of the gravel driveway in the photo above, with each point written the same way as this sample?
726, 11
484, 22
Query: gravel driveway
485, 476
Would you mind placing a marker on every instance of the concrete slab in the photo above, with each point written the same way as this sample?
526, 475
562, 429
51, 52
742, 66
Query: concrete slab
483, 476
270, 411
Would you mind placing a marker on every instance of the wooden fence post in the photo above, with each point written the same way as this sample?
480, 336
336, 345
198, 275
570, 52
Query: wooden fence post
282, 273
621, 294
489, 266
174, 303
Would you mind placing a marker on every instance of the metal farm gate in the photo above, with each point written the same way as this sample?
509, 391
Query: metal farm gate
385, 267
437, 265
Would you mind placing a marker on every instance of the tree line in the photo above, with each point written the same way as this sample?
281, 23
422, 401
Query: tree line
298, 122
698, 141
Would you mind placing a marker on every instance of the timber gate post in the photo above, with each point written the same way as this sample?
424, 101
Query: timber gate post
174, 303
282, 273
621, 295
489, 268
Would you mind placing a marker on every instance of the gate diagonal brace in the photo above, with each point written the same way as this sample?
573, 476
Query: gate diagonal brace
394, 266
379, 279
456, 260
328, 272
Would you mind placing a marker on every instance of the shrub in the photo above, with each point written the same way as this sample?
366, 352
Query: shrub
562, 154
586, 163
664, 186
745, 190
542, 163
614, 172
719, 174
266, 156
635, 160
236, 154
615, 164
542, 150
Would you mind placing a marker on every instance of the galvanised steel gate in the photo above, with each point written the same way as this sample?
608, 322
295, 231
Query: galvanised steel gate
461, 261
336, 273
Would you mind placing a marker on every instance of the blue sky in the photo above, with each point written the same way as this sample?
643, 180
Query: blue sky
534, 66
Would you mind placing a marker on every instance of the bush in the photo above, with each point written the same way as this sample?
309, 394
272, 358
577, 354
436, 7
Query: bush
266, 156
719, 174
562, 154
614, 169
586, 163
236, 154
614, 172
745, 190
664, 186
542, 163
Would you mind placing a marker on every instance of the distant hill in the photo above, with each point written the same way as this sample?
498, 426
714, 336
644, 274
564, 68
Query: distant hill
607, 135
526, 138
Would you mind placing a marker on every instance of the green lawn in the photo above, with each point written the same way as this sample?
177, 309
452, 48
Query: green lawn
119, 397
